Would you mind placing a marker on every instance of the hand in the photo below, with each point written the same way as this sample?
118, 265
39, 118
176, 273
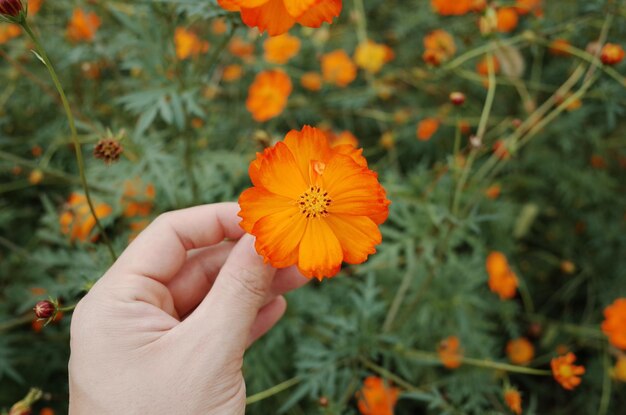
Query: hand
164, 331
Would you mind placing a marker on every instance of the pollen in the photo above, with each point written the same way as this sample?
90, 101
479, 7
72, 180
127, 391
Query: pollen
314, 202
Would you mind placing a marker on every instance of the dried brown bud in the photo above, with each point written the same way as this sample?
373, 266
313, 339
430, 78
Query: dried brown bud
457, 98
11, 8
109, 150
44, 309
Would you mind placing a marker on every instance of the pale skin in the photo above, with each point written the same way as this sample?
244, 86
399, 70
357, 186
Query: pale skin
165, 329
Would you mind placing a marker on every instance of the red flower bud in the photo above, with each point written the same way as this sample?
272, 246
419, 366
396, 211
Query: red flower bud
457, 98
44, 309
11, 7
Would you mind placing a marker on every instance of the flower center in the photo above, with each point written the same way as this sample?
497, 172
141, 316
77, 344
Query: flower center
314, 202
566, 371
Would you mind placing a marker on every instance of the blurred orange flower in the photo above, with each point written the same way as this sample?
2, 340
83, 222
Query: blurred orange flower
614, 324
526, 6
83, 26
502, 280
493, 191
482, 67
619, 371
452, 7
427, 128
311, 81
450, 352
559, 47
507, 19
565, 372
77, 221
241, 48
371, 56
376, 397
338, 68
612, 54
34, 6
188, 44
278, 16
280, 49
138, 198
500, 150
513, 400
439, 46
312, 205
520, 351
268, 94
232, 73
9, 31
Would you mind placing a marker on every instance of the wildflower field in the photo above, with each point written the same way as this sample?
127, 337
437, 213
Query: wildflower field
451, 175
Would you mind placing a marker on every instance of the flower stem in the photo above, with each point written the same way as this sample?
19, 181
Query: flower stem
77, 148
276, 389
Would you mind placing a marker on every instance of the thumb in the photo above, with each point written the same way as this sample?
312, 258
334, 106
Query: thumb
241, 289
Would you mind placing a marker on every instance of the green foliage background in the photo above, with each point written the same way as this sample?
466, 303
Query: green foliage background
428, 280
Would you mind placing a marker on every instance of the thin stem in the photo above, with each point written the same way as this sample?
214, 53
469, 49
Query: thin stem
388, 375
605, 401
276, 389
16, 322
77, 148
399, 297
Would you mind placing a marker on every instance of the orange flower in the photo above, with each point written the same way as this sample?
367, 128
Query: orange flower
312, 205
8, 32
83, 26
278, 16
311, 81
439, 46
77, 220
137, 199
612, 54
46, 411
219, 26
34, 6
513, 400
565, 372
371, 56
500, 150
482, 67
493, 191
452, 7
376, 398
188, 44
559, 47
619, 371
232, 73
502, 280
280, 49
450, 352
614, 324
427, 128
240, 48
338, 68
520, 351
507, 19
268, 94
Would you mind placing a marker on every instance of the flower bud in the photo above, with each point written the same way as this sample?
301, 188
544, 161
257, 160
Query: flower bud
11, 8
457, 98
44, 309
23, 407
108, 149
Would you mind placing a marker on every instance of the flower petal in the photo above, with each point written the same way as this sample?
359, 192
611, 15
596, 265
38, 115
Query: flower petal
297, 8
354, 190
279, 235
308, 145
256, 203
325, 11
246, 3
358, 236
271, 16
279, 173
320, 253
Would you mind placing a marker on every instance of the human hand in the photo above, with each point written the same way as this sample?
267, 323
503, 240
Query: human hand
164, 331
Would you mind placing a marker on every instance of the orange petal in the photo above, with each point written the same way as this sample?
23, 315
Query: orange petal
354, 190
358, 236
325, 11
279, 173
278, 236
255, 167
297, 8
271, 16
230, 5
320, 253
308, 145
355, 153
246, 3
256, 203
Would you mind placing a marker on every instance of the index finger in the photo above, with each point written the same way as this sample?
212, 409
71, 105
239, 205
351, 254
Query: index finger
161, 249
